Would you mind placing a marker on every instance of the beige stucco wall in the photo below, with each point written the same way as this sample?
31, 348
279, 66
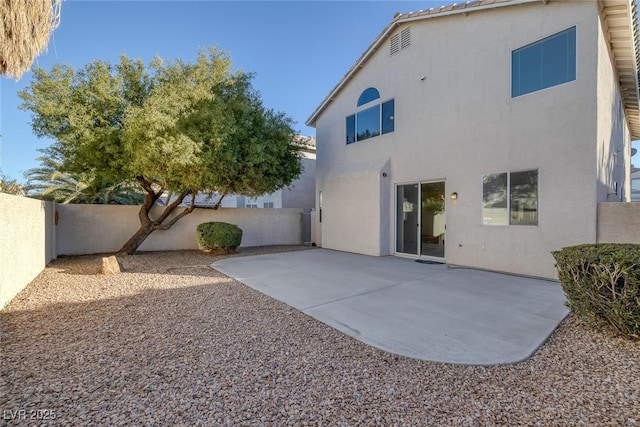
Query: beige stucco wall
353, 204
613, 156
619, 222
455, 120
302, 192
87, 229
27, 242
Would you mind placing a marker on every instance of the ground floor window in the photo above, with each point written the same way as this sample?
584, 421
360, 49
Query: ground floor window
510, 198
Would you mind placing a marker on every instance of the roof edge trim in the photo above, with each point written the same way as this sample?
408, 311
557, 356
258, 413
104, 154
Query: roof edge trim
396, 22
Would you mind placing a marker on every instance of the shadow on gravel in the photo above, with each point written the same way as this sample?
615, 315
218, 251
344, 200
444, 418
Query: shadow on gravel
163, 351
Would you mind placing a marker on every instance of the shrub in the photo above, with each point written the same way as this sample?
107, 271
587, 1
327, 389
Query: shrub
218, 237
602, 285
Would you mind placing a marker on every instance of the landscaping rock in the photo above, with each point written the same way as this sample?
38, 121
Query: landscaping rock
174, 342
110, 265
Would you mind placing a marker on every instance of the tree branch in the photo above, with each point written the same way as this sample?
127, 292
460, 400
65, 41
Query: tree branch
217, 205
175, 219
149, 199
146, 184
171, 207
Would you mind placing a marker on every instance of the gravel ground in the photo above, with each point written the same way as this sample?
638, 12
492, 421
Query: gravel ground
172, 342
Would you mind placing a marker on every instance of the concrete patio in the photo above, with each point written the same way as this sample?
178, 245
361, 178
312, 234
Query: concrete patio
425, 311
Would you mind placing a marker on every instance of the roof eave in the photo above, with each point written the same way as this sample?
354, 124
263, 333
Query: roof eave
625, 50
352, 71
464, 8
620, 17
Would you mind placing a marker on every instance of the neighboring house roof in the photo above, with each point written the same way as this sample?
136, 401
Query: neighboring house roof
308, 143
202, 199
621, 25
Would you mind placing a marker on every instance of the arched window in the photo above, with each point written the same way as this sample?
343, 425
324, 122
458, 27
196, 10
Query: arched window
368, 95
372, 120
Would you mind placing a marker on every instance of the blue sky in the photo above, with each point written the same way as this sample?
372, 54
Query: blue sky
299, 50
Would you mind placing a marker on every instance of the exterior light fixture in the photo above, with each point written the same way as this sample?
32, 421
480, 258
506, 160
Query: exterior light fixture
454, 196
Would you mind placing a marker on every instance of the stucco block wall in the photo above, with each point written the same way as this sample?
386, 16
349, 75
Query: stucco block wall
455, 120
619, 222
88, 229
27, 242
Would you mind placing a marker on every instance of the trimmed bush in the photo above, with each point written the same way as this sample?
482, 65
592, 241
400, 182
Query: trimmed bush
602, 285
218, 237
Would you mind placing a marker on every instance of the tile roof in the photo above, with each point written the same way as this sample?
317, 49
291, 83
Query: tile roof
620, 17
306, 141
455, 7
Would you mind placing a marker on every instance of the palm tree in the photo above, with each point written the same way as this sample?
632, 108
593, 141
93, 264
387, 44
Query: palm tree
25, 27
48, 182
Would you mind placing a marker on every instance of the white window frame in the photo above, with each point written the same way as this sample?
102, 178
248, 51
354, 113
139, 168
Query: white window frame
508, 224
560, 31
364, 107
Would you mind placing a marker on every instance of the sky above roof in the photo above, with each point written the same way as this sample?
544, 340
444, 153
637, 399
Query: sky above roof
298, 50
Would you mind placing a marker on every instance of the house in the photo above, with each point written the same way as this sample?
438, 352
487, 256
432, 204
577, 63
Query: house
483, 134
301, 193
635, 185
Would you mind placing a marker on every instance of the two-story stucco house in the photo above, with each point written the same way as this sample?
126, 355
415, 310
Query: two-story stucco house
482, 134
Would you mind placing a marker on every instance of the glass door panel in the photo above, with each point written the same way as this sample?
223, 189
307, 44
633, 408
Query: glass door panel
432, 219
407, 208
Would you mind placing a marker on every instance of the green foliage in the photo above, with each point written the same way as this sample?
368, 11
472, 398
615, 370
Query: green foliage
173, 127
219, 237
47, 182
178, 125
11, 186
602, 285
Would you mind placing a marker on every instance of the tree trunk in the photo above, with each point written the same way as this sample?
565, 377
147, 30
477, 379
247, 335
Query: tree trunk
147, 225
136, 240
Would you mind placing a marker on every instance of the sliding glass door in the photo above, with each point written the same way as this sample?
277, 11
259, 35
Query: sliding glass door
407, 219
432, 225
420, 219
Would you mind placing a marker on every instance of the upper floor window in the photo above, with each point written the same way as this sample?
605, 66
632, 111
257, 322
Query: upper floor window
368, 95
371, 119
545, 63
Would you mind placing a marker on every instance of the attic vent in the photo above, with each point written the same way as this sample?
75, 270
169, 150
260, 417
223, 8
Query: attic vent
395, 43
405, 38
400, 41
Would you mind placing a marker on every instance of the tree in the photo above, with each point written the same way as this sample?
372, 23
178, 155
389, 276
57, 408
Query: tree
47, 182
25, 27
172, 127
11, 186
